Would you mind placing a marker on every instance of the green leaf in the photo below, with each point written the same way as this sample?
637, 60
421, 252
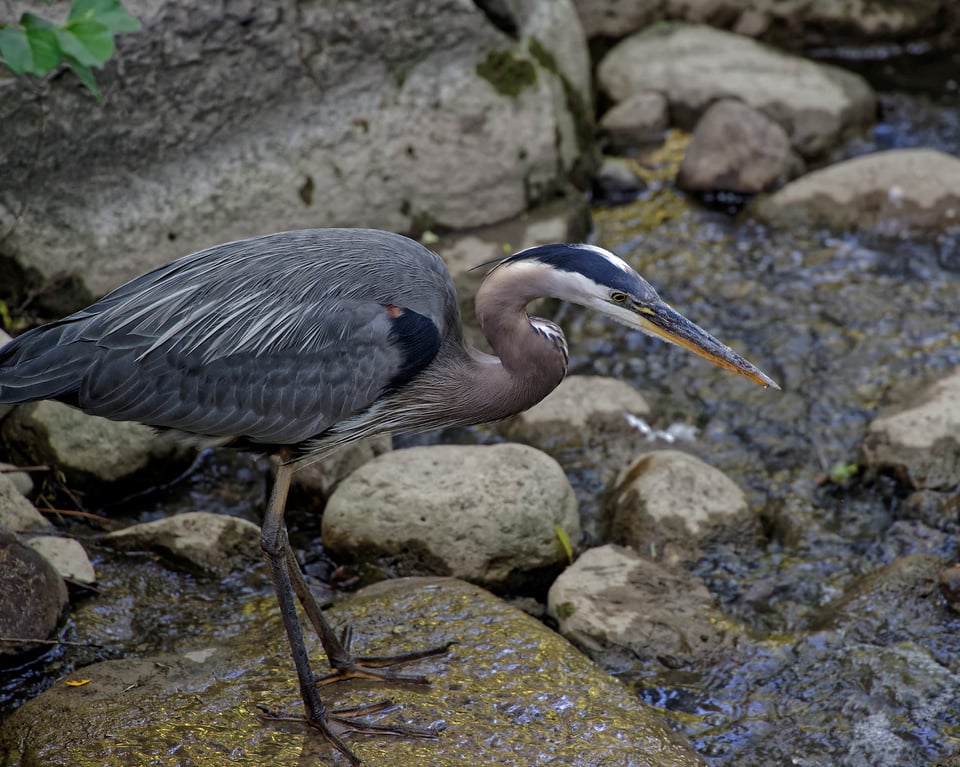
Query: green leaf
15, 49
34, 50
84, 74
564, 542
45, 48
32, 21
107, 12
89, 42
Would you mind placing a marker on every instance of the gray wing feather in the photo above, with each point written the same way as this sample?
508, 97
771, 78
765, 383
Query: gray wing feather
275, 338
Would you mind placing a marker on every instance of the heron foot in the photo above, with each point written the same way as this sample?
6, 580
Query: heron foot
376, 667
336, 724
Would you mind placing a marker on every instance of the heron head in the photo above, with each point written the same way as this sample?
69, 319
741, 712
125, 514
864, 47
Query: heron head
596, 278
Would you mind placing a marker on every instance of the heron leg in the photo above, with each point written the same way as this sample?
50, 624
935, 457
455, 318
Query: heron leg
332, 725
343, 663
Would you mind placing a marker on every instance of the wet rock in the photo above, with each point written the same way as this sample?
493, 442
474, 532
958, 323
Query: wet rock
616, 182
639, 119
197, 540
890, 601
897, 192
89, 450
949, 582
33, 598
613, 598
449, 122
21, 479
668, 505
582, 408
314, 482
694, 66
67, 556
735, 148
511, 693
484, 513
16, 512
919, 440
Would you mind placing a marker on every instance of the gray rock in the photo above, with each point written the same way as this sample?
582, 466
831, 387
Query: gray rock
694, 66
918, 439
88, 450
639, 119
487, 514
33, 598
617, 182
615, 18
16, 512
613, 598
67, 556
735, 148
197, 540
512, 693
317, 480
21, 479
898, 192
667, 505
413, 116
580, 409
790, 24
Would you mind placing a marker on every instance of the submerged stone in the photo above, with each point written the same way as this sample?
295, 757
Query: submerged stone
510, 692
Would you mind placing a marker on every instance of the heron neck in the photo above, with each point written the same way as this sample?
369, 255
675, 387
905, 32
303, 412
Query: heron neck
531, 354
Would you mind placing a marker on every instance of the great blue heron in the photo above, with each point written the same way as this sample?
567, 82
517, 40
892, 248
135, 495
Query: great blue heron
300, 342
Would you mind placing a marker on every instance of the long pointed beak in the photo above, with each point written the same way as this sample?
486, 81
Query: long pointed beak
663, 321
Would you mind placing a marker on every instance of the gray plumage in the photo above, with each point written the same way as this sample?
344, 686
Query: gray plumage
273, 339
314, 338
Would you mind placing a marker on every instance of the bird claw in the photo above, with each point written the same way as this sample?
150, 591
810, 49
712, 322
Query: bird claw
336, 724
376, 667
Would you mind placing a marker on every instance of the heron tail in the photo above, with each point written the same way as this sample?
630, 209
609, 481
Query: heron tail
36, 366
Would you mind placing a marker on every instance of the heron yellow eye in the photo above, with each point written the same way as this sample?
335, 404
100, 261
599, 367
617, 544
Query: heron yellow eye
618, 297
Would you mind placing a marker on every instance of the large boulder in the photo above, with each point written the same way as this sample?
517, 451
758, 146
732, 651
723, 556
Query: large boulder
901, 191
694, 66
511, 692
222, 122
488, 514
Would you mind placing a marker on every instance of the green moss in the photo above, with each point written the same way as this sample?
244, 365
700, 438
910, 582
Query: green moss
507, 72
565, 610
580, 111
543, 56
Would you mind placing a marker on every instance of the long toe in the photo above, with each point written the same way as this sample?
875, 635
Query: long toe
380, 667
